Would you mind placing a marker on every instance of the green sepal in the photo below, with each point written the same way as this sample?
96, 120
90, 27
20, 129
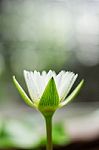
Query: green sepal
50, 99
73, 94
22, 93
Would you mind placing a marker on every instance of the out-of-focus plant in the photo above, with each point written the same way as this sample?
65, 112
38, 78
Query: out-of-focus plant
48, 92
28, 134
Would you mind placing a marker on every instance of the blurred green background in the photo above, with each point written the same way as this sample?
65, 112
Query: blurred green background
43, 35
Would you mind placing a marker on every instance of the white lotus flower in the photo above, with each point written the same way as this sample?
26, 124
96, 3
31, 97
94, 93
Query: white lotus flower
48, 91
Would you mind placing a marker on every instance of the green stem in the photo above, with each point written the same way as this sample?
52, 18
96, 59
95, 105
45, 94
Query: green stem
49, 145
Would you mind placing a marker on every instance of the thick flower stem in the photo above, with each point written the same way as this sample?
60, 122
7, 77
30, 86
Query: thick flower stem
49, 145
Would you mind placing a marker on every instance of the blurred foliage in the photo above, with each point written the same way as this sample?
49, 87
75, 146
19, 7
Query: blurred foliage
26, 134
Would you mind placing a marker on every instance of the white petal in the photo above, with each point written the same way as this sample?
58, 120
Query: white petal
43, 74
43, 79
71, 84
49, 75
67, 83
60, 80
38, 81
32, 88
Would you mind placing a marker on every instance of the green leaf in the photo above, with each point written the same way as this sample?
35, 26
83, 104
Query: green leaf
73, 94
60, 134
50, 98
22, 93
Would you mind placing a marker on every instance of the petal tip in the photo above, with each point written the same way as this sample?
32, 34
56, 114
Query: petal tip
13, 77
82, 81
24, 71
